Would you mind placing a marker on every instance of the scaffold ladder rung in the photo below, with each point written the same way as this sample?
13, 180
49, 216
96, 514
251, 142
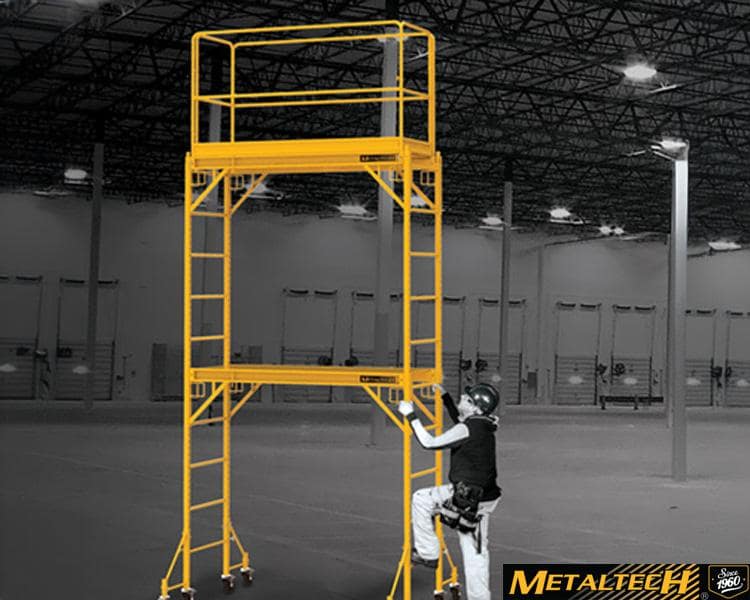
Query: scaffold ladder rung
207, 463
203, 213
418, 474
421, 254
206, 255
424, 211
207, 297
208, 421
208, 504
426, 298
423, 341
206, 338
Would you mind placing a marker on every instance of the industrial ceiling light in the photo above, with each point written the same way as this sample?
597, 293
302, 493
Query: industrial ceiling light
618, 230
75, 176
639, 72
724, 245
605, 230
559, 213
8, 368
492, 220
670, 148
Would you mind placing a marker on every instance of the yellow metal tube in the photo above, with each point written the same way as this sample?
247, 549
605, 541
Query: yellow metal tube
408, 392
424, 409
207, 402
204, 194
423, 196
327, 92
205, 505
431, 92
438, 286
233, 91
401, 78
206, 463
327, 102
214, 100
397, 577
384, 408
251, 392
384, 185
246, 194
423, 472
340, 25
218, 40
187, 381
208, 546
438, 267
227, 398
330, 39
207, 421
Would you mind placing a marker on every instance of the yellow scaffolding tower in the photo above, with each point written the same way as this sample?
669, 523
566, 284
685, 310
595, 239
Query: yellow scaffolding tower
233, 169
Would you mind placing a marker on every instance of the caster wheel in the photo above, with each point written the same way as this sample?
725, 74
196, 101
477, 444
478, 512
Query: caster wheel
227, 583
439, 596
456, 592
188, 594
247, 576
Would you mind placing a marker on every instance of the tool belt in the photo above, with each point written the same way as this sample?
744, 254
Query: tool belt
460, 510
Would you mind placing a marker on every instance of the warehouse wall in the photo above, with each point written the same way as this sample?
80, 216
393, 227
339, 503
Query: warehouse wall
142, 247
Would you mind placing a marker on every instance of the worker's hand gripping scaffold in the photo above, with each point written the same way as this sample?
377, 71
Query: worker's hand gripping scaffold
221, 174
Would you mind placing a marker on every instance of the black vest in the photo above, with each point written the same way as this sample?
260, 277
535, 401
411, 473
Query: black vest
473, 461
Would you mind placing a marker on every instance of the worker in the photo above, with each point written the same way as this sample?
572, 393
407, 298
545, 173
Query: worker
466, 503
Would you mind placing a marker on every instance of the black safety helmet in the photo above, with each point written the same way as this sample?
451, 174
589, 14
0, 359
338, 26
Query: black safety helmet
484, 396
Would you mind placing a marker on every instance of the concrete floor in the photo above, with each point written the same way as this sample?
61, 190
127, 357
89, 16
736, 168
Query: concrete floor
90, 509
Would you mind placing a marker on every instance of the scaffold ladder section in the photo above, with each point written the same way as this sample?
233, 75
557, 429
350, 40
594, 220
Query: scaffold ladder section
410, 171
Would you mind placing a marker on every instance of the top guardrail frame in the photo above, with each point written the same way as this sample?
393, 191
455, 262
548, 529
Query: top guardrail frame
405, 30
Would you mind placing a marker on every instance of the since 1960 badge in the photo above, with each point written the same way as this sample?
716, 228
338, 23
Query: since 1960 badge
729, 581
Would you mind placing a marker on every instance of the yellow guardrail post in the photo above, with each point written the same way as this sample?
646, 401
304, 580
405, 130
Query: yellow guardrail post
187, 379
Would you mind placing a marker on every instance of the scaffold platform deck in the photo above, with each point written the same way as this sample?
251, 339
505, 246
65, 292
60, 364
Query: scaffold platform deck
341, 155
264, 374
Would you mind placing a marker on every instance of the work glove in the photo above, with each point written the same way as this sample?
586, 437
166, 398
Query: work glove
406, 408
436, 387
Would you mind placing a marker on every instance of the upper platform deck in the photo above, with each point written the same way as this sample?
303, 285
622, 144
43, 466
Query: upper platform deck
311, 156
361, 51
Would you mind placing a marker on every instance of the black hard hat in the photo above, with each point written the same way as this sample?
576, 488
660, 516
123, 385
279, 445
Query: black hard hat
484, 396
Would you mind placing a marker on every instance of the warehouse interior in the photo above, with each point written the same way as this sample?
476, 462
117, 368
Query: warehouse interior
565, 274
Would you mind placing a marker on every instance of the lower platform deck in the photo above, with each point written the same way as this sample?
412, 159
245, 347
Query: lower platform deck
262, 374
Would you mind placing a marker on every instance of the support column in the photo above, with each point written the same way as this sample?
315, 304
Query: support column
385, 226
505, 284
677, 321
541, 381
93, 276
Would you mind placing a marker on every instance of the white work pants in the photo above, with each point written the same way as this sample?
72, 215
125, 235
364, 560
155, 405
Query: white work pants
424, 505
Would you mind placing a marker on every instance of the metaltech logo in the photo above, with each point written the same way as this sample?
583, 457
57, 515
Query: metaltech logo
603, 581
